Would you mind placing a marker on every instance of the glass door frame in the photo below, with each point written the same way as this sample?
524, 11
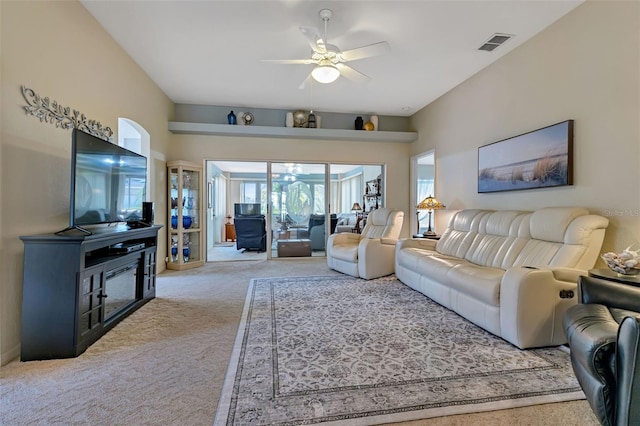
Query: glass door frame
269, 185
327, 220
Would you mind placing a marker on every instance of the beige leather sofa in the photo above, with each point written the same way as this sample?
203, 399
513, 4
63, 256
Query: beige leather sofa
369, 254
512, 273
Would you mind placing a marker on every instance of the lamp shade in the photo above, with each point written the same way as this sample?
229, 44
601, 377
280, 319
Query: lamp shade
356, 207
430, 203
325, 72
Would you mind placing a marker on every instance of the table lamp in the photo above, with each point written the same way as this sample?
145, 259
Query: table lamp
430, 204
356, 207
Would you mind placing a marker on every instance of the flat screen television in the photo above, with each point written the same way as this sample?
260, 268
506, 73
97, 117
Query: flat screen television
246, 209
107, 182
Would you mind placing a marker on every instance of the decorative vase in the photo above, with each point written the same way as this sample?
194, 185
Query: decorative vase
374, 121
359, 123
185, 254
368, 126
174, 253
311, 120
174, 222
239, 122
231, 118
186, 222
288, 122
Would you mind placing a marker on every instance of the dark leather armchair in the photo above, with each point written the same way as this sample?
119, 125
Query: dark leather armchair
603, 331
251, 233
316, 230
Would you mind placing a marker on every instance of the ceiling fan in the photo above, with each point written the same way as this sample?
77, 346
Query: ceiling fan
330, 61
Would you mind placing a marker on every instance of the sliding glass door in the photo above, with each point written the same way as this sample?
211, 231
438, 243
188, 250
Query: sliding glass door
298, 209
302, 204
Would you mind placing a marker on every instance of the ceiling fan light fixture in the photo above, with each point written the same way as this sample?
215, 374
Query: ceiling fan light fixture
325, 73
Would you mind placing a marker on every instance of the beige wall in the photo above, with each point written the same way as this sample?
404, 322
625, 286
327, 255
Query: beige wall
395, 156
60, 51
584, 67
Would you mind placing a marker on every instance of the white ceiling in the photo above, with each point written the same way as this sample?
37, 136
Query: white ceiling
212, 52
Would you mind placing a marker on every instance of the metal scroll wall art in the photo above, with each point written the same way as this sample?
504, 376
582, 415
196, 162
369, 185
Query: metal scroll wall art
63, 117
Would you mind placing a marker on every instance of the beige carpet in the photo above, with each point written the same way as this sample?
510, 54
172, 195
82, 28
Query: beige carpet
165, 364
227, 252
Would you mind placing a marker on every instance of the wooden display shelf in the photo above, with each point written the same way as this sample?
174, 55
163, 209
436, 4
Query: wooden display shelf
180, 127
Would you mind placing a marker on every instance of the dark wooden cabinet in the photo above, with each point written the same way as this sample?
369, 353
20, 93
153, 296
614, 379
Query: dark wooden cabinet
78, 287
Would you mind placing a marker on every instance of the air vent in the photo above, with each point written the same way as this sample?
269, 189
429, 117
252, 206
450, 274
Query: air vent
495, 41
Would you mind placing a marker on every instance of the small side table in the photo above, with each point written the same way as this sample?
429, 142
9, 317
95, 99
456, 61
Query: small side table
608, 274
430, 237
229, 232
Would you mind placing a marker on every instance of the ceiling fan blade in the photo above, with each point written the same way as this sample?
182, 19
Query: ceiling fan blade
306, 82
375, 49
290, 61
314, 38
351, 74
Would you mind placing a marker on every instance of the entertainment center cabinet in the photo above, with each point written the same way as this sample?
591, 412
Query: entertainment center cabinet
77, 287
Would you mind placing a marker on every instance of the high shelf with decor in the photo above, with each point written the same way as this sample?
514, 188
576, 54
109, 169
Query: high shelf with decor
185, 236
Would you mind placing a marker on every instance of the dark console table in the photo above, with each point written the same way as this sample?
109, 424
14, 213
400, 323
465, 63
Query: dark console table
608, 274
77, 287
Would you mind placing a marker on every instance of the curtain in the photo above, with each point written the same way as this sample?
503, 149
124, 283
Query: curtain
351, 193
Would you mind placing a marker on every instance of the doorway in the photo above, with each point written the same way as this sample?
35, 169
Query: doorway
302, 205
299, 207
422, 185
231, 184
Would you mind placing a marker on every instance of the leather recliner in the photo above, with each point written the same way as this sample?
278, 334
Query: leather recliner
603, 331
251, 233
370, 254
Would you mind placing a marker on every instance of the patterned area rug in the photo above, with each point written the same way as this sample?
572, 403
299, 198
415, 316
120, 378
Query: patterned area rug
340, 349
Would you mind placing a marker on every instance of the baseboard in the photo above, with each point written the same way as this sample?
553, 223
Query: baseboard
10, 355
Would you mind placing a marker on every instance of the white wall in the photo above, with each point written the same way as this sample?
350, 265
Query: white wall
585, 67
60, 51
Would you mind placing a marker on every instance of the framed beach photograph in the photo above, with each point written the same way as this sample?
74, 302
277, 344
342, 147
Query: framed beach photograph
538, 159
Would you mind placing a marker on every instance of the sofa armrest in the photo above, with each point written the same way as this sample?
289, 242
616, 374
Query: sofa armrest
421, 243
375, 258
591, 334
532, 304
567, 274
344, 238
628, 371
609, 293
389, 241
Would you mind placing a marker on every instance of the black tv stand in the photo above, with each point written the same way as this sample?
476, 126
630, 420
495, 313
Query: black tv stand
73, 228
134, 224
70, 297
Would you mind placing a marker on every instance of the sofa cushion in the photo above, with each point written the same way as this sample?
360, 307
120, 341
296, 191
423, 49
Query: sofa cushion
551, 223
437, 266
411, 257
480, 282
537, 253
346, 252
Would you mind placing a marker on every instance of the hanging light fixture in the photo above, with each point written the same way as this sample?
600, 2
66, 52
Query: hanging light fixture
325, 72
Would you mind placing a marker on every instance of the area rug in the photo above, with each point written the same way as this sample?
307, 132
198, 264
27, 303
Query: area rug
341, 350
